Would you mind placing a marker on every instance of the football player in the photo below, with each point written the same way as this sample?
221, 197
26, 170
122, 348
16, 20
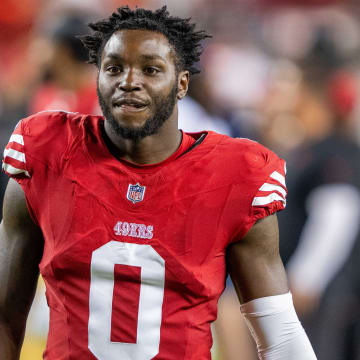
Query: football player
133, 222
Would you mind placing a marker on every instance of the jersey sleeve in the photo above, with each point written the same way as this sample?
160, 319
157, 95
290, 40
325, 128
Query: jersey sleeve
14, 158
39, 143
37, 151
260, 190
15, 164
271, 195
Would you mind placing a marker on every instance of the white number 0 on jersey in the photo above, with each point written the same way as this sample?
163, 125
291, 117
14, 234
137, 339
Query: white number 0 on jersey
150, 302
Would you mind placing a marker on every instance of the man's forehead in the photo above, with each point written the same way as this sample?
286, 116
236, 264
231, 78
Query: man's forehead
146, 43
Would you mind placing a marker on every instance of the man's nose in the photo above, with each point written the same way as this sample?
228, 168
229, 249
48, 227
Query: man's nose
130, 81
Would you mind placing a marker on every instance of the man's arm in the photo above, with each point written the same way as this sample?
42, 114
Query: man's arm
21, 248
254, 262
260, 281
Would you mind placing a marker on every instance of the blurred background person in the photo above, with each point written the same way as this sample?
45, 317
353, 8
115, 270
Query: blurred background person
324, 214
326, 203
67, 81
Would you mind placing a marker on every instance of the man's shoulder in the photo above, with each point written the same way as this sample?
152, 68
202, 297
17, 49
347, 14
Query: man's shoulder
52, 121
48, 128
48, 136
242, 151
245, 144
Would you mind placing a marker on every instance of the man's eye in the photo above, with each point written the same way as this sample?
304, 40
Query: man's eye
113, 69
151, 70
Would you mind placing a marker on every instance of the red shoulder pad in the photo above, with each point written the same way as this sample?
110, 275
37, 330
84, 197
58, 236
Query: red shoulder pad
40, 138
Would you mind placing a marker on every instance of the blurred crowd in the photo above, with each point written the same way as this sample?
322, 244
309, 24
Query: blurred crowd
283, 72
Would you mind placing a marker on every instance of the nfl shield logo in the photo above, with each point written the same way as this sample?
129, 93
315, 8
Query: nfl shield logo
136, 193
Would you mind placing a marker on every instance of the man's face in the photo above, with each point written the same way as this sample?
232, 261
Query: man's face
137, 83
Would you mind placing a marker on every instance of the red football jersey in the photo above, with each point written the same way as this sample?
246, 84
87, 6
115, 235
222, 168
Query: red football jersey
134, 256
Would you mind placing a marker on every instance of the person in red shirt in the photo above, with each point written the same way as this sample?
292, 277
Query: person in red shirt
134, 222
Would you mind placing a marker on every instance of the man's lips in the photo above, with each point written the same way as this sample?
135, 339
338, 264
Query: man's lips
129, 107
129, 104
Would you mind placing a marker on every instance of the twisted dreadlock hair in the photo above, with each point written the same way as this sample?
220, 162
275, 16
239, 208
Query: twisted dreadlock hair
180, 33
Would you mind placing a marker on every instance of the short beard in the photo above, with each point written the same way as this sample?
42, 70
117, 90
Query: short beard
163, 109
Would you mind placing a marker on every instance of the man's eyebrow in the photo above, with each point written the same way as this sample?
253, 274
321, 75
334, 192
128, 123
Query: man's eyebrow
113, 56
152, 57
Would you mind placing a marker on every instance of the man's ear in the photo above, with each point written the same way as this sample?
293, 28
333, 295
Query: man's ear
183, 83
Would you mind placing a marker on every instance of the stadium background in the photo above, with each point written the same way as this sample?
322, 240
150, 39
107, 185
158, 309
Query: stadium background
276, 71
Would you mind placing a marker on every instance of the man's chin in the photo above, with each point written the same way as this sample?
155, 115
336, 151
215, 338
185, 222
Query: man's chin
128, 123
129, 129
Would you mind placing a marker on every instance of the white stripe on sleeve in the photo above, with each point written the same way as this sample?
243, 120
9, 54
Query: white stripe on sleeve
13, 170
264, 200
278, 177
17, 155
17, 138
273, 187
